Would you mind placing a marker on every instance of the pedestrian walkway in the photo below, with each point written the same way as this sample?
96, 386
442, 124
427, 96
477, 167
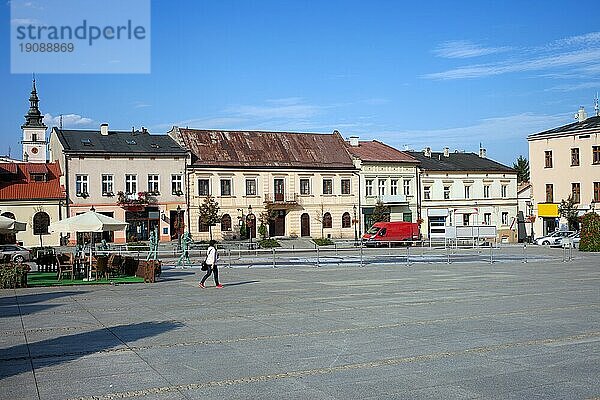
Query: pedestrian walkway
452, 331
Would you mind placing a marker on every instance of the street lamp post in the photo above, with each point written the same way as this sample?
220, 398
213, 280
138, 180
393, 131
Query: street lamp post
531, 219
354, 221
178, 227
250, 224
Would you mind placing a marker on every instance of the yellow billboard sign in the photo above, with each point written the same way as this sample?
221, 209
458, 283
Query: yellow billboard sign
548, 210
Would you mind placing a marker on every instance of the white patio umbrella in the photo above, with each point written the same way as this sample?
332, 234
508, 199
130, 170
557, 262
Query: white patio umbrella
90, 221
9, 225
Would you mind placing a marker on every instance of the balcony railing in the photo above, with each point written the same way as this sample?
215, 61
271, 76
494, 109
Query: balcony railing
281, 198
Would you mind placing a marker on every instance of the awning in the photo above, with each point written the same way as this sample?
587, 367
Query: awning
548, 210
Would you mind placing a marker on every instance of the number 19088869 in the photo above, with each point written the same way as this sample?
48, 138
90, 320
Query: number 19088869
47, 47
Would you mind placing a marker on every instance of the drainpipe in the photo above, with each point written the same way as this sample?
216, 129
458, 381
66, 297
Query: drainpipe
187, 193
67, 186
359, 206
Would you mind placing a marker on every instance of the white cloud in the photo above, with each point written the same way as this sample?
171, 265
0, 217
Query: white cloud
581, 58
68, 120
465, 49
572, 55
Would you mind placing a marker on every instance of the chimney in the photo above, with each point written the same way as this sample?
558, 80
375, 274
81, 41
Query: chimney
427, 152
581, 114
481, 152
446, 152
354, 141
104, 129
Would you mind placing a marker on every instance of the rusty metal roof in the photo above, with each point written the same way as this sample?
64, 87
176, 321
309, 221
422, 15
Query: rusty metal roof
376, 151
258, 149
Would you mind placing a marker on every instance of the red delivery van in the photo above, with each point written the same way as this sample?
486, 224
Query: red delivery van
382, 232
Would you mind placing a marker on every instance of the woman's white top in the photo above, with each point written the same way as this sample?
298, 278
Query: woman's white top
211, 255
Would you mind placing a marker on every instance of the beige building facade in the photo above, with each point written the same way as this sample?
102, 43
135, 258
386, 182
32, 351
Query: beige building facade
563, 162
387, 175
306, 182
132, 176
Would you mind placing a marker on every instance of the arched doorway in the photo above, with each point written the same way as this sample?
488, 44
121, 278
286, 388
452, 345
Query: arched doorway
305, 225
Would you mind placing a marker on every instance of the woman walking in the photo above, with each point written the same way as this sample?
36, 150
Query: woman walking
211, 261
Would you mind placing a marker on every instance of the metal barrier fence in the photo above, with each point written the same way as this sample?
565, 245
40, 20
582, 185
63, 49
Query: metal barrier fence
346, 254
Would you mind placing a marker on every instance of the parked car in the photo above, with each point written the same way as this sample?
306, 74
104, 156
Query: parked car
574, 239
16, 253
383, 232
552, 237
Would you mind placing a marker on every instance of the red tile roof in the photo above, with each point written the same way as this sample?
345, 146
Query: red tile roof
257, 149
20, 186
378, 152
8, 168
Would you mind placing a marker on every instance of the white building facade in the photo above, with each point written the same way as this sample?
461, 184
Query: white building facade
466, 189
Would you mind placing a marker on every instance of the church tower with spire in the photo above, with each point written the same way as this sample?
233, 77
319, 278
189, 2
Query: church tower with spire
34, 131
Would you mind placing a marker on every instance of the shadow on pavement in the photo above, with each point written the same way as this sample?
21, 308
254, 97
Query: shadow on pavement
17, 359
239, 283
14, 305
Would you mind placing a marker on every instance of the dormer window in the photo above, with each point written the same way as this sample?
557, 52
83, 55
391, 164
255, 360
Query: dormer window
86, 141
38, 177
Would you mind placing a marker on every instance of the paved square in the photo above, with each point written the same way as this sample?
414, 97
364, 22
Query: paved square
458, 331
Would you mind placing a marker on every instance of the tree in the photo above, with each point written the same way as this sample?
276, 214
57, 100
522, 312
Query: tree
381, 213
522, 168
590, 232
264, 219
568, 210
209, 213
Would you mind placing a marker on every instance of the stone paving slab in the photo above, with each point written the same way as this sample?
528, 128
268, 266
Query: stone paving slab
459, 331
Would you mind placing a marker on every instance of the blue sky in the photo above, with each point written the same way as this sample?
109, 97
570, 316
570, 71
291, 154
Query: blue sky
410, 74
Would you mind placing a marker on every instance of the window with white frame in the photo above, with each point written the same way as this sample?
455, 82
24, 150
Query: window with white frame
487, 218
131, 184
504, 191
226, 187
486, 191
153, 183
467, 191
251, 187
446, 192
345, 186
406, 186
427, 192
108, 186
304, 186
177, 184
504, 218
393, 187
327, 186
203, 187
81, 185
369, 187
381, 187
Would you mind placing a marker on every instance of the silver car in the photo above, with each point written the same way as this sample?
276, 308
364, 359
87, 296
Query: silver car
16, 253
552, 237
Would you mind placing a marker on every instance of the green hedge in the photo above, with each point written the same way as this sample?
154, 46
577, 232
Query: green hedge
268, 243
323, 242
590, 232
13, 276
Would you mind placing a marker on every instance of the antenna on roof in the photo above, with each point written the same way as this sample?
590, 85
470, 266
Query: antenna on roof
60, 123
596, 108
